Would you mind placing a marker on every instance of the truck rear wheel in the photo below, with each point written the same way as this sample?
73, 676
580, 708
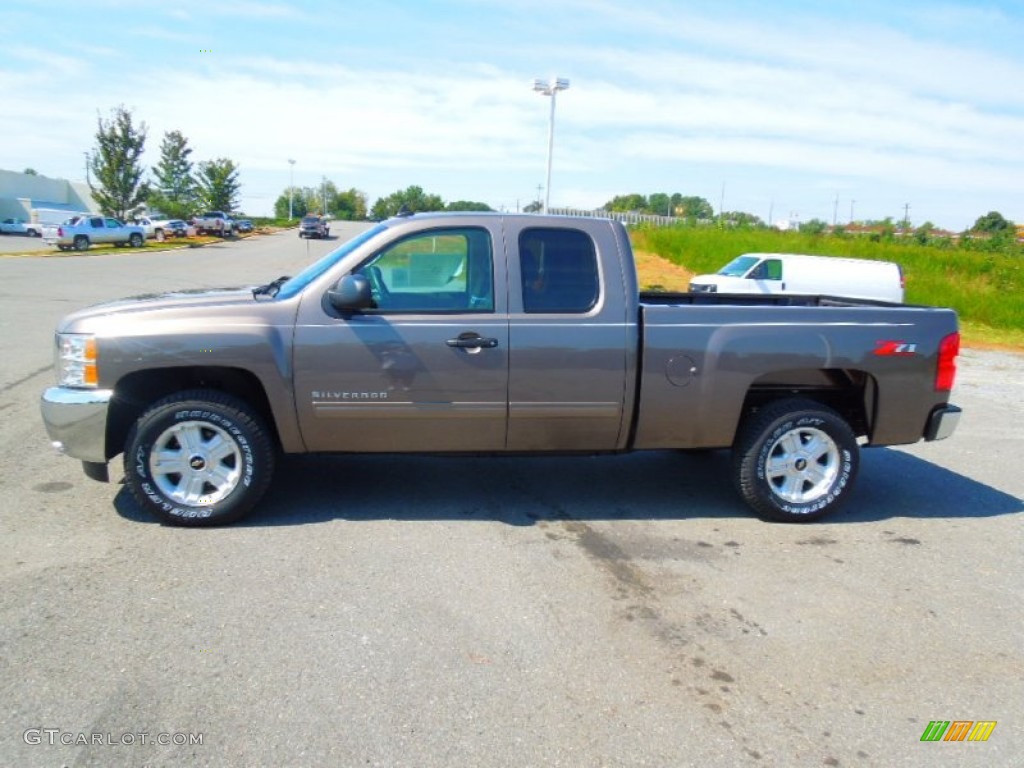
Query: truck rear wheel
795, 460
198, 458
135, 240
81, 242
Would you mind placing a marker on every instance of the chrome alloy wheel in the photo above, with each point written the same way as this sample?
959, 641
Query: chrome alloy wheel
195, 463
802, 465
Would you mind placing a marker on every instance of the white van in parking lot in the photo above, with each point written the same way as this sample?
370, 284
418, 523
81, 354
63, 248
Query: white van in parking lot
801, 274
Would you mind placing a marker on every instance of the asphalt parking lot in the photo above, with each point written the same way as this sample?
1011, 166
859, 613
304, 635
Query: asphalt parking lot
403, 611
20, 243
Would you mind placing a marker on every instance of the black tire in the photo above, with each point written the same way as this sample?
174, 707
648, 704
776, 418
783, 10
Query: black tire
222, 448
795, 460
135, 240
80, 243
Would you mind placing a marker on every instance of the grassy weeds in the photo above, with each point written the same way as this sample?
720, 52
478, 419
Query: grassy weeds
986, 289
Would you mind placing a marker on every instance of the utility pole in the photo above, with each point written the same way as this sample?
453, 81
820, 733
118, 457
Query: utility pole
906, 216
835, 211
291, 187
851, 210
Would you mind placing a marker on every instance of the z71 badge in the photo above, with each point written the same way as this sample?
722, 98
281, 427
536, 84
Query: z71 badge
895, 348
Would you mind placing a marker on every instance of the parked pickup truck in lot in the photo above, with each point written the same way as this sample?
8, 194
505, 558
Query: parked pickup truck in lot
80, 232
19, 227
492, 334
213, 223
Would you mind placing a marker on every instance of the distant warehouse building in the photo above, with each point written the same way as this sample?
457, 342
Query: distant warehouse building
42, 200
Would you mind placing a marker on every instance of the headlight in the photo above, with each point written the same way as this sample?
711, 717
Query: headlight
76, 360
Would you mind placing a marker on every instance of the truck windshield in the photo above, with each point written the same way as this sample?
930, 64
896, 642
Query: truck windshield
739, 266
317, 268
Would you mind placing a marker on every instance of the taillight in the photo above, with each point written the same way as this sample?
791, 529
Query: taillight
945, 372
60, 231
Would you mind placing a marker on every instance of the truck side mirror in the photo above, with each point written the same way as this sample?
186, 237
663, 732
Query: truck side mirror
351, 293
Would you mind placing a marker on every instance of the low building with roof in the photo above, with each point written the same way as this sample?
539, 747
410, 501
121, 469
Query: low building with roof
41, 199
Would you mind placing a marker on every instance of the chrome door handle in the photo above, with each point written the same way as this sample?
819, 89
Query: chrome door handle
472, 341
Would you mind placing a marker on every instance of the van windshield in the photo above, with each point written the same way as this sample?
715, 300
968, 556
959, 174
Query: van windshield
739, 266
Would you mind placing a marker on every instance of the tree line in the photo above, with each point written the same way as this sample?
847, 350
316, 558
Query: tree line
178, 187
351, 204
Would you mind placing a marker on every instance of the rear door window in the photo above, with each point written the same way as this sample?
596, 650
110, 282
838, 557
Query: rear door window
559, 271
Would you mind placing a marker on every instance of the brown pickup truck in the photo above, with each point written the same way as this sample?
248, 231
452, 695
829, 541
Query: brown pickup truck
493, 334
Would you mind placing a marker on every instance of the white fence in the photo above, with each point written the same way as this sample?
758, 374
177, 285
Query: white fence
625, 218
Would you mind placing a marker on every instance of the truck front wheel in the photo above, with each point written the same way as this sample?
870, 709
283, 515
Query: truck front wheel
795, 460
198, 458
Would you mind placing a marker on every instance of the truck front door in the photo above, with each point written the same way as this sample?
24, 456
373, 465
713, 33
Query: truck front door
426, 369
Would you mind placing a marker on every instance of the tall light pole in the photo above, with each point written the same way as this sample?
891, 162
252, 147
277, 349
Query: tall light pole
550, 88
291, 187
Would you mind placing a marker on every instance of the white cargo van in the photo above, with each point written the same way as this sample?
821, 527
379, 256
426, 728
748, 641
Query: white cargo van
801, 274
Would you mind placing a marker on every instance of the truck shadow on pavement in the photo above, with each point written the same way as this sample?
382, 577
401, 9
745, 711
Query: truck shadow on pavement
642, 486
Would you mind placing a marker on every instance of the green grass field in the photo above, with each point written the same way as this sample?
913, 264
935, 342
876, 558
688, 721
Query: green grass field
985, 288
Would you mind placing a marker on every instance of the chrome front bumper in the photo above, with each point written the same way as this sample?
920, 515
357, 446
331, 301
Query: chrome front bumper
76, 421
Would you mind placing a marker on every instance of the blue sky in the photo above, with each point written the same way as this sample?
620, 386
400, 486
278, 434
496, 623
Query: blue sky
778, 109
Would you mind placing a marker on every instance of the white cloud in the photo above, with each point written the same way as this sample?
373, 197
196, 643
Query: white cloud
674, 97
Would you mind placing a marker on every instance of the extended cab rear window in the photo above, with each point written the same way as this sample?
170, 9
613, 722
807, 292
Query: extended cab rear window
559, 271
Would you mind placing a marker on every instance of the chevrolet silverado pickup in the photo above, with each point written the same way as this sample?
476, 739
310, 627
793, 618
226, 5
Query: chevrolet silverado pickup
80, 232
491, 334
214, 223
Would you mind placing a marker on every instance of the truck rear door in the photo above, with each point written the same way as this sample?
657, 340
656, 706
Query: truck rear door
571, 335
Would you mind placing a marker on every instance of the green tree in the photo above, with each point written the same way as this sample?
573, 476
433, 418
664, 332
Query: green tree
693, 207
413, 198
116, 169
741, 219
30, 172
298, 203
218, 184
467, 205
349, 205
634, 203
174, 192
660, 204
924, 233
535, 207
992, 222
814, 227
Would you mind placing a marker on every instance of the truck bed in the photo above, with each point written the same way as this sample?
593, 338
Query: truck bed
670, 299
706, 359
